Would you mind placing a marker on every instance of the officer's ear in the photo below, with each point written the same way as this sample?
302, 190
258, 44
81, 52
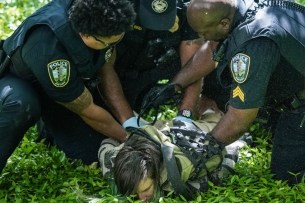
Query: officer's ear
84, 35
225, 23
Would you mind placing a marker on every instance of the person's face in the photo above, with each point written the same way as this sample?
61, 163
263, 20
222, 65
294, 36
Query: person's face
212, 33
145, 190
98, 43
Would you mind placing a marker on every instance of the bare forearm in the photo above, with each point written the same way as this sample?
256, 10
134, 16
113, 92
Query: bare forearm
233, 124
95, 116
192, 91
111, 90
191, 96
106, 125
200, 65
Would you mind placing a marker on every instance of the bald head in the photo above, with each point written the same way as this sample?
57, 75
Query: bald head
204, 14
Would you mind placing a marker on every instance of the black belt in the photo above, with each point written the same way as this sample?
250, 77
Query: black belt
291, 103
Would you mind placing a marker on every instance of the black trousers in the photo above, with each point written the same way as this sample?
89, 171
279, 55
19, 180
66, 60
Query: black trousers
69, 132
22, 104
19, 110
288, 153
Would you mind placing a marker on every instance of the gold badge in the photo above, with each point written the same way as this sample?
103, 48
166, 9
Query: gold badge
159, 6
59, 72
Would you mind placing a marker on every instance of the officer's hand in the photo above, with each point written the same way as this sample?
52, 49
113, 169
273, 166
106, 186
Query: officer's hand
132, 122
159, 95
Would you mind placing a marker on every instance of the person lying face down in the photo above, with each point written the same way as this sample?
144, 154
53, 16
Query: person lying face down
138, 166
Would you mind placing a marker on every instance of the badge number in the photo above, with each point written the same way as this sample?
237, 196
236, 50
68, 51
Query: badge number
59, 72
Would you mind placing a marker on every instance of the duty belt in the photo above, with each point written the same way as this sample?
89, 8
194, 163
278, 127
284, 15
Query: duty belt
291, 103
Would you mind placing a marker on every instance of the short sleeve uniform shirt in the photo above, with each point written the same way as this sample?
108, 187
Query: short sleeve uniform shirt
49, 61
258, 72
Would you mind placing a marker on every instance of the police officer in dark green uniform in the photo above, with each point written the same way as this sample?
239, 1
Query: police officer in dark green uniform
160, 43
264, 59
261, 61
53, 54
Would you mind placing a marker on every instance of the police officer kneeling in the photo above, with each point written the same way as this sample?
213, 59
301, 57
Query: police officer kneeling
52, 52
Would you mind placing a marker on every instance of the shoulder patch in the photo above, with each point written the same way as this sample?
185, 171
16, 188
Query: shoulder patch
240, 65
59, 72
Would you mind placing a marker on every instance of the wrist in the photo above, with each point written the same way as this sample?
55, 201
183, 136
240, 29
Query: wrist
213, 141
177, 86
185, 113
132, 122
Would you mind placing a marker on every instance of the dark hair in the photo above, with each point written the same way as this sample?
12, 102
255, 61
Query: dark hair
102, 17
139, 159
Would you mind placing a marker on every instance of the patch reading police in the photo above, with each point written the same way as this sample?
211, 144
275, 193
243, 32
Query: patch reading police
159, 6
240, 65
59, 72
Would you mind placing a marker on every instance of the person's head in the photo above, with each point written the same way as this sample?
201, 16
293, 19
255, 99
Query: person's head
158, 14
211, 19
101, 22
136, 168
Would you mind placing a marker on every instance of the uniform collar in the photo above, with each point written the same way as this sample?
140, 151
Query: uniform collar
241, 11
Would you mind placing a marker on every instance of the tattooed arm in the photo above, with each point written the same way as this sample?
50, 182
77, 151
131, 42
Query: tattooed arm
95, 116
192, 91
111, 91
198, 66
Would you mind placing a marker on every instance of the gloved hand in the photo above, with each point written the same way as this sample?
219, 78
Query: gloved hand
182, 118
132, 122
159, 95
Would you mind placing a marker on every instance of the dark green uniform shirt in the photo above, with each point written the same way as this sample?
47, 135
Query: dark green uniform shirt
42, 51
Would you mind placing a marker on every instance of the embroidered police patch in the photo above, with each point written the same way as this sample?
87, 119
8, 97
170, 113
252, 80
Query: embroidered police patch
240, 65
59, 72
159, 6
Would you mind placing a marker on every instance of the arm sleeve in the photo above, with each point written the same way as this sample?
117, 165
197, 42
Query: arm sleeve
251, 70
42, 49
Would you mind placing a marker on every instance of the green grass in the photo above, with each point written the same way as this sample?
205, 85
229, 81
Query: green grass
38, 173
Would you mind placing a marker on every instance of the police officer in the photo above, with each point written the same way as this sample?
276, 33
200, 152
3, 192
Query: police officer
159, 44
52, 54
261, 52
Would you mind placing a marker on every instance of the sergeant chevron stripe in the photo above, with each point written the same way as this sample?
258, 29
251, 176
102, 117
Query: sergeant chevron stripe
237, 92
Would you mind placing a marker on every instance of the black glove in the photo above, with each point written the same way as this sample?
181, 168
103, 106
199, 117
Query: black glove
157, 96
